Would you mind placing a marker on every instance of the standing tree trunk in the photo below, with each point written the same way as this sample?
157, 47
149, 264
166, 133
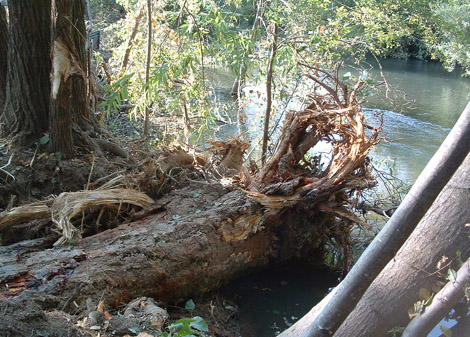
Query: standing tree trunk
3, 54
26, 113
71, 121
69, 90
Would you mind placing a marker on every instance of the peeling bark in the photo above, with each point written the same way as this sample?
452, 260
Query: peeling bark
69, 90
168, 258
72, 123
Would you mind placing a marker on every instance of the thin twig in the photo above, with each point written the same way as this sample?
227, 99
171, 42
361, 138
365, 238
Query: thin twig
8, 163
89, 175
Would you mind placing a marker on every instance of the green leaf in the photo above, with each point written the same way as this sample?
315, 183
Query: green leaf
276, 312
199, 324
44, 140
176, 217
445, 330
58, 155
190, 305
452, 275
182, 327
196, 195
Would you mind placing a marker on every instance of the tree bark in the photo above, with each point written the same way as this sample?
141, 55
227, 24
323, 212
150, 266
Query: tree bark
26, 113
384, 247
69, 104
3, 54
168, 259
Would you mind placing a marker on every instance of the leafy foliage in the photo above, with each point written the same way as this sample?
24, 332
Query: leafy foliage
192, 37
195, 326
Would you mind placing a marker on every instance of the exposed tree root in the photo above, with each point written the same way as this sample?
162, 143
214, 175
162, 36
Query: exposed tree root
200, 236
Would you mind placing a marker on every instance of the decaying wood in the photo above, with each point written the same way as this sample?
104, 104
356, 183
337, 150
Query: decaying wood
67, 205
204, 234
168, 258
21, 214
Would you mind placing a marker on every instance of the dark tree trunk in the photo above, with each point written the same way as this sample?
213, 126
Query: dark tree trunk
69, 104
26, 113
3, 54
71, 121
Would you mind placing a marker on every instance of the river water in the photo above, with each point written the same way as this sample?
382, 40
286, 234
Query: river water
426, 102
423, 103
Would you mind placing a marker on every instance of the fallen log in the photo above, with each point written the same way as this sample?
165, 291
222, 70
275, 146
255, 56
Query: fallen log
205, 234
168, 256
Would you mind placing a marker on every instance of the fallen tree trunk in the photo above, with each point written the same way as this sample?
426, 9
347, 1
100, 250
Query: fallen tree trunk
205, 234
190, 246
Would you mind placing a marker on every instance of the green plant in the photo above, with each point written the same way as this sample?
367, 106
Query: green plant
195, 326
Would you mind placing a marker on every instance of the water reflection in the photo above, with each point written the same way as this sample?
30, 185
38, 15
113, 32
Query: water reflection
423, 90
